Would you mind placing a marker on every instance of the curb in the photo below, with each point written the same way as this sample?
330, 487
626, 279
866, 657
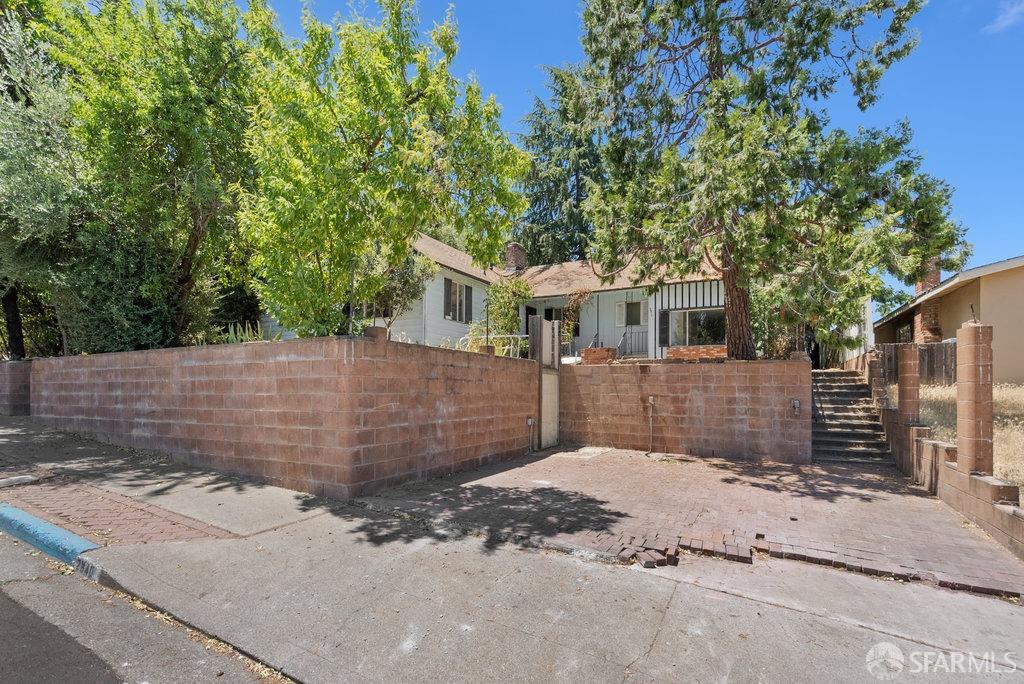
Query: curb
93, 571
52, 540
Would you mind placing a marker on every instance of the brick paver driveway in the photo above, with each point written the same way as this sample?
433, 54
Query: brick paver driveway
67, 492
620, 502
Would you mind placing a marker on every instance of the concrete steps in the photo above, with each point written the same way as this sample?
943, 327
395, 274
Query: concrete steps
847, 426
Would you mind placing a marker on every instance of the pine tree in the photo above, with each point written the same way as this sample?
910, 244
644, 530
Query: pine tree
565, 158
716, 138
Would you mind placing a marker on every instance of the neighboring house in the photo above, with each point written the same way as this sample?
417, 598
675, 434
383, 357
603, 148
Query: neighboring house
452, 299
992, 294
688, 313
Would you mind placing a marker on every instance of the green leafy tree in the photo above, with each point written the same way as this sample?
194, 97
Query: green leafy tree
719, 153
361, 137
572, 311
501, 322
161, 95
565, 159
41, 185
402, 285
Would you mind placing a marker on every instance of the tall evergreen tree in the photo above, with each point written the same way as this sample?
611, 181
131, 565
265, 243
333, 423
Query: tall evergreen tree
560, 137
719, 150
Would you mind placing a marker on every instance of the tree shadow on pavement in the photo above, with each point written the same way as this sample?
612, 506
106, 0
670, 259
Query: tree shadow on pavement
25, 443
440, 509
496, 514
826, 482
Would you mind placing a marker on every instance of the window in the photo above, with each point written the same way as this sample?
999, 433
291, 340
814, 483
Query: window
556, 313
630, 313
690, 328
553, 314
458, 301
905, 333
530, 311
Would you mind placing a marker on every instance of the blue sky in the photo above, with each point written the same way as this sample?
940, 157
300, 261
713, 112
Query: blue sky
962, 90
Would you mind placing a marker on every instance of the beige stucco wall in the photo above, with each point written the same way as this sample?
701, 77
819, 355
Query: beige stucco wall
955, 308
1003, 298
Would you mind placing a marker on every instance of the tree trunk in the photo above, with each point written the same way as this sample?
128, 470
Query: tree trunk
739, 334
12, 317
186, 277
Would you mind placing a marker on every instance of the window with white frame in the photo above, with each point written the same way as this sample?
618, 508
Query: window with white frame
692, 327
630, 314
458, 301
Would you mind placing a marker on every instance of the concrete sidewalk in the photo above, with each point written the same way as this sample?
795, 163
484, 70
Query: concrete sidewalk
315, 590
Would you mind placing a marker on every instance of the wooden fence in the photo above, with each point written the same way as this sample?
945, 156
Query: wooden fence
936, 362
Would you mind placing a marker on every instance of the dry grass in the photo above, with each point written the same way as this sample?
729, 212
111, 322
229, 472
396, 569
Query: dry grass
938, 409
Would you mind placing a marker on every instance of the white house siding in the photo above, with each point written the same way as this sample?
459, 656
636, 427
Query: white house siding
424, 322
597, 316
704, 294
409, 326
439, 330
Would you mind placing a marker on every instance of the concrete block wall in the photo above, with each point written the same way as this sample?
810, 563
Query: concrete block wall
735, 409
987, 501
338, 417
960, 475
15, 394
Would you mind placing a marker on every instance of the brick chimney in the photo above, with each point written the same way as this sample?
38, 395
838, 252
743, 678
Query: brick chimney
927, 328
515, 257
930, 279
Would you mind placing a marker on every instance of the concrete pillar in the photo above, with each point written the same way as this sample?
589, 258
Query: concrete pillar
974, 398
909, 385
876, 380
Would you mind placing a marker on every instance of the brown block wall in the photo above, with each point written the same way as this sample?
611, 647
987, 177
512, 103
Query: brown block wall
331, 416
15, 387
736, 409
909, 388
595, 355
987, 501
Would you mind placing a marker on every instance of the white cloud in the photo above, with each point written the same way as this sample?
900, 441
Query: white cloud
1010, 14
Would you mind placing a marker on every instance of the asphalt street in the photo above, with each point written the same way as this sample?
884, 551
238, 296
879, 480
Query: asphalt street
58, 627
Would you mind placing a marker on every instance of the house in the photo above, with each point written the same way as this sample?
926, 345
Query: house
452, 299
688, 313
991, 293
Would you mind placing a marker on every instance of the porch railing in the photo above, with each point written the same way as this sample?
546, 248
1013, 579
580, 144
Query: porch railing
633, 343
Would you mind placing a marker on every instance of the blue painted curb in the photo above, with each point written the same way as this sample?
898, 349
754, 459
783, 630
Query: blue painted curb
50, 539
